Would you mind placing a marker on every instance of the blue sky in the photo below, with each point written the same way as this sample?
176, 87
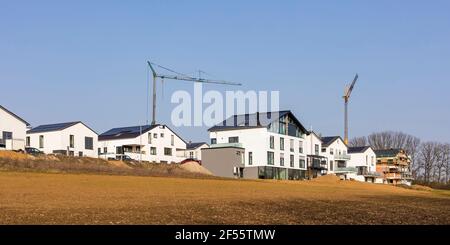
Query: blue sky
85, 60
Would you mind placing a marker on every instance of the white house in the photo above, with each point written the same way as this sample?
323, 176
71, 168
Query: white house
336, 152
363, 159
152, 143
273, 145
193, 150
317, 163
12, 130
72, 138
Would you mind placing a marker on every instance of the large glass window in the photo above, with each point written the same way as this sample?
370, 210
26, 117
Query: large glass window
88, 143
167, 151
270, 158
301, 163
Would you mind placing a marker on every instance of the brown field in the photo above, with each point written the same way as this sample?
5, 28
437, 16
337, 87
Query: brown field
62, 198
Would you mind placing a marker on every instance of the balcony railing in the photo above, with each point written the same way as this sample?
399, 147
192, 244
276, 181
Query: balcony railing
344, 157
222, 145
346, 170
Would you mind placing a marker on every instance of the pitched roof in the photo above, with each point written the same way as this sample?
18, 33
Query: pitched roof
52, 127
358, 149
14, 115
191, 146
329, 140
387, 152
254, 120
125, 132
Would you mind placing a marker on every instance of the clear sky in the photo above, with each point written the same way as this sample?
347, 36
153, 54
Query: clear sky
85, 60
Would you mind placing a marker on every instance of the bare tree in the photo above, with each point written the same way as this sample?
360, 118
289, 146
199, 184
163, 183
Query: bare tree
358, 141
428, 156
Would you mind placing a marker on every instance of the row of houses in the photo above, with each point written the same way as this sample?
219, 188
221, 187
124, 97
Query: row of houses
255, 146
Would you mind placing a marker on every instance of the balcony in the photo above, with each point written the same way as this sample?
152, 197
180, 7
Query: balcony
343, 157
223, 145
345, 170
393, 176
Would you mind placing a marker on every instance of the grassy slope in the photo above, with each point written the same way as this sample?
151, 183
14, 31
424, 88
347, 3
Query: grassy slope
44, 198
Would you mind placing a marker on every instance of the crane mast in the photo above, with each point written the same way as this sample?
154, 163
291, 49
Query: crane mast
180, 77
347, 93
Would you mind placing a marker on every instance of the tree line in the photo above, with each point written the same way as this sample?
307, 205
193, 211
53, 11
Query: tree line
430, 161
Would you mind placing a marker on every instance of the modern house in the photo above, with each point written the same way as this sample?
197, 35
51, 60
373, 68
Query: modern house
316, 162
394, 166
363, 159
12, 130
151, 143
193, 150
335, 150
71, 138
273, 145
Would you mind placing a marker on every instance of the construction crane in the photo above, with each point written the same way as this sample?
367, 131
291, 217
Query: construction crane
179, 76
347, 93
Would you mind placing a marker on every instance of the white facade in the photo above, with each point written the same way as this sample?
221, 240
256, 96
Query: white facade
336, 154
193, 153
12, 131
74, 140
313, 144
160, 145
257, 145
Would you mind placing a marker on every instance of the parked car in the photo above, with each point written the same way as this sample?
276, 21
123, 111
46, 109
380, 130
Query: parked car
33, 151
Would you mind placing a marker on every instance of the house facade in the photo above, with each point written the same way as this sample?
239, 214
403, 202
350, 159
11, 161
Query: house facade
336, 153
363, 159
394, 166
193, 150
316, 162
151, 143
72, 138
12, 130
273, 144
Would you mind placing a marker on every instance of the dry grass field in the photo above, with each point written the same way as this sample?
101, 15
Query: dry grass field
62, 198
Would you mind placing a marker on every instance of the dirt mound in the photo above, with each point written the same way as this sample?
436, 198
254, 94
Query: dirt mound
330, 178
13, 155
421, 188
119, 164
194, 167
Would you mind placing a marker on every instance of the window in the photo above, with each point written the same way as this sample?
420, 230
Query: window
270, 158
324, 149
367, 160
162, 135
99, 151
213, 141
301, 163
300, 146
80, 153
316, 149
282, 144
250, 158
105, 150
331, 151
191, 154
71, 141
149, 136
138, 149
282, 161
41, 141
28, 141
292, 161
291, 145
331, 165
167, 151
88, 143
153, 151
155, 135
233, 140
373, 160
7, 135
172, 140
272, 142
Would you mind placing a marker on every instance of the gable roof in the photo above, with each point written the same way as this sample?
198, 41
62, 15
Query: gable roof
54, 127
254, 120
358, 149
315, 134
126, 132
327, 141
14, 115
192, 146
387, 152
